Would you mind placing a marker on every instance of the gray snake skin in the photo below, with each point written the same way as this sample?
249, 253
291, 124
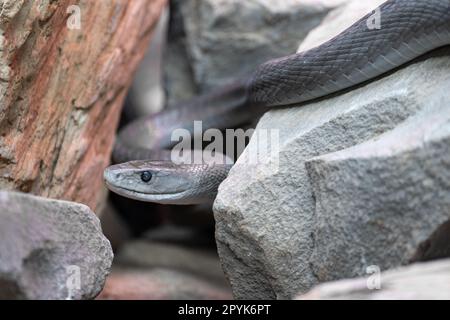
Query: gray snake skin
409, 29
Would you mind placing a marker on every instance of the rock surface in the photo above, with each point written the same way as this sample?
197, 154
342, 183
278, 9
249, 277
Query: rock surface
62, 88
390, 191
425, 281
45, 244
228, 38
384, 201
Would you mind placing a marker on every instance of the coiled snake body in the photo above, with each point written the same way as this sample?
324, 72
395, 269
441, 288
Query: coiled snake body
409, 29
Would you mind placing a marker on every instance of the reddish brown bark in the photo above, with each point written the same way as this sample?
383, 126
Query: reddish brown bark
61, 91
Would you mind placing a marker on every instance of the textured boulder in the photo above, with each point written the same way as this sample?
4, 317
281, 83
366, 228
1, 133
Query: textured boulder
50, 249
229, 38
422, 281
65, 67
384, 201
272, 226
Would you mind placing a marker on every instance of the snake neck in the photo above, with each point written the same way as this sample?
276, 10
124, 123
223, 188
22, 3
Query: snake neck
207, 182
408, 29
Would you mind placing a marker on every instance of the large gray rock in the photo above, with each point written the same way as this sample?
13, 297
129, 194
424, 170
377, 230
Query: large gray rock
225, 39
273, 218
383, 202
422, 281
45, 245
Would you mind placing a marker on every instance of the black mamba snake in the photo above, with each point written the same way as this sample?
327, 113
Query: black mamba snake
408, 29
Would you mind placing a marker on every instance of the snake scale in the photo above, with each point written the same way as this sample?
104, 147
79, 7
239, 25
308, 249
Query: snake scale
408, 29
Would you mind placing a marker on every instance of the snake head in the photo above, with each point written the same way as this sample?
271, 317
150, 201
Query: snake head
152, 181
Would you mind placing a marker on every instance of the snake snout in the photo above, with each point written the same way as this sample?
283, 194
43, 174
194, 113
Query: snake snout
111, 176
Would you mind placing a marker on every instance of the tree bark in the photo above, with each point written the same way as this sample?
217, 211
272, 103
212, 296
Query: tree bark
62, 88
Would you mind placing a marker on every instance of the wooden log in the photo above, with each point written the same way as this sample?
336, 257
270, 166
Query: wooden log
65, 67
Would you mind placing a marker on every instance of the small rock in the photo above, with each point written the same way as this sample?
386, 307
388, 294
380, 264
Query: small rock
45, 244
150, 255
188, 236
159, 284
422, 281
166, 268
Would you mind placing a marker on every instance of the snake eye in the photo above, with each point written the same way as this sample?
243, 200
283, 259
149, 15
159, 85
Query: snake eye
146, 176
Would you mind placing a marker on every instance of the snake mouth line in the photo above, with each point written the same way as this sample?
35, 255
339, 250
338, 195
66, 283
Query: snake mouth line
120, 190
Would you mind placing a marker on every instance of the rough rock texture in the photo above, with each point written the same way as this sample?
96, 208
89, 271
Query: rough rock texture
42, 241
385, 202
159, 284
228, 38
425, 281
382, 202
61, 90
